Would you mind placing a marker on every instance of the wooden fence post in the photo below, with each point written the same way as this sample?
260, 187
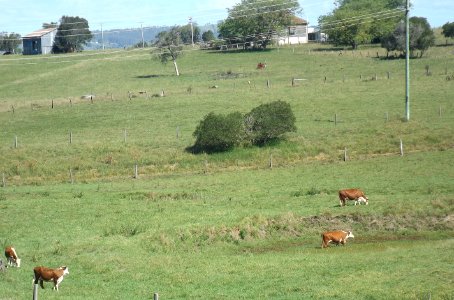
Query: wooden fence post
335, 119
386, 117
178, 132
439, 111
15, 142
52, 104
271, 161
71, 176
155, 296
3, 180
136, 171
70, 137
35, 291
401, 148
388, 74
124, 135
268, 83
345, 154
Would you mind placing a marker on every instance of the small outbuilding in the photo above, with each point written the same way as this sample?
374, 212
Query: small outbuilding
39, 41
295, 34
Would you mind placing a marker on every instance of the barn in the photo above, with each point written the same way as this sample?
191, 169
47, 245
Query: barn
294, 34
39, 41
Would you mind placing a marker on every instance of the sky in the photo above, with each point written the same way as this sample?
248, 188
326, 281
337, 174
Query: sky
25, 16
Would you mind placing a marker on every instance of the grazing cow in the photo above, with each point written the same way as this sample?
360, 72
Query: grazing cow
261, 66
11, 257
352, 194
336, 237
45, 274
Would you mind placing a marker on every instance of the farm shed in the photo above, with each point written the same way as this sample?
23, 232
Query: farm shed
296, 33
315, 35
39, 41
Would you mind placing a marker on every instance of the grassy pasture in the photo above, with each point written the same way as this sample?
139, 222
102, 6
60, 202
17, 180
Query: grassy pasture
226, 225
248, 234
361, 105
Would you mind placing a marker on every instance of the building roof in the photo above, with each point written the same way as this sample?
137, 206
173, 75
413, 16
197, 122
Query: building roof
298, 21
40, 32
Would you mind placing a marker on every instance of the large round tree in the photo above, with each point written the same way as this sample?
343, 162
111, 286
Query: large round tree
355, 22
72, 34
254, 22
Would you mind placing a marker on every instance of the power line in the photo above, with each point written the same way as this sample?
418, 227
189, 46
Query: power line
395, 12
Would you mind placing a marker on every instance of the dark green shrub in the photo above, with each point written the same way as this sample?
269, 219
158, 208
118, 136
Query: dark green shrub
218, 133
269, 121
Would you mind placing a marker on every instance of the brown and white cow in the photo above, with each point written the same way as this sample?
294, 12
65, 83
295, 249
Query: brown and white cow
336, 237
11, 257
352, 194
45, 274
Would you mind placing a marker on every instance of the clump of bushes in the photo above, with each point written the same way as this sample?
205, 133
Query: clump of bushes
218, 133
263, 124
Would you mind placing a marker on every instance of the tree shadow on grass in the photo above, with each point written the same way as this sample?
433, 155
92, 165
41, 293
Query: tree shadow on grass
150, 76
234, 51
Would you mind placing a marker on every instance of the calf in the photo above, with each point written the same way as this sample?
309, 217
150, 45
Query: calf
261, 66
11, 257
336, 237
45, 274
352, 194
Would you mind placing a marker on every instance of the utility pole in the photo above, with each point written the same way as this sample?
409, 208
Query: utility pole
102, 37
407, 61
192, 31
141, 29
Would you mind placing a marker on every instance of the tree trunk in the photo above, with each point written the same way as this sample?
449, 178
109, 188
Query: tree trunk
176, 67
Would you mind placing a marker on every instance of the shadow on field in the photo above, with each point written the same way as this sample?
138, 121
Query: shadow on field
234, 51
329, 49
150, 76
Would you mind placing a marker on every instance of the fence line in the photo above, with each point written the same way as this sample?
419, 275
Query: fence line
270, 164
337, 118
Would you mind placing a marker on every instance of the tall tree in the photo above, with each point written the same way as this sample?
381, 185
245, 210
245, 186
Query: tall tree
254, 22
186, 33
448, 30
354, 22
72, 34
169, 47
208, 36
421, 37
10, 42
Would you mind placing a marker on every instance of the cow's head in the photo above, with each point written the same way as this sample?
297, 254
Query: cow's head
350, 234
18, 262
65, 270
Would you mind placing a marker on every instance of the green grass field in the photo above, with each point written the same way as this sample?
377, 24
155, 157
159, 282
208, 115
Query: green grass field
227, 225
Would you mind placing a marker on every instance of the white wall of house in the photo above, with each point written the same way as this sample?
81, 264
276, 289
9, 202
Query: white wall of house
294, 35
